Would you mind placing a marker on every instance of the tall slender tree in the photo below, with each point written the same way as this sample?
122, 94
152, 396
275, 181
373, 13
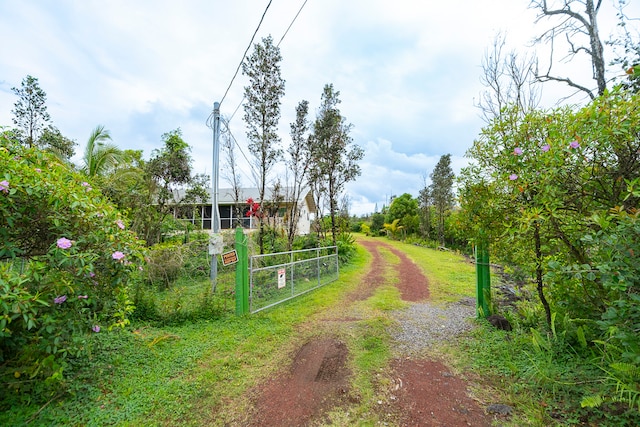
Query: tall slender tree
230, 171
30, 110
425, 204
442, 192
298, 162
262, 111
334, 159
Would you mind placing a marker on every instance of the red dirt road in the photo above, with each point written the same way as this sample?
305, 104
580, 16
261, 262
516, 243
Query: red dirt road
424, 392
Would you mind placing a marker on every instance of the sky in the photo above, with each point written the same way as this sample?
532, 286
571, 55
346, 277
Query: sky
408, 73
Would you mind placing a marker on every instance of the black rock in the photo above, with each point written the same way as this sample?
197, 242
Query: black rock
499, 408
499, 322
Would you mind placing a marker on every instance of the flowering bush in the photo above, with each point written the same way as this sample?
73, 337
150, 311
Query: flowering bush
254, 209
536, 183
60, 277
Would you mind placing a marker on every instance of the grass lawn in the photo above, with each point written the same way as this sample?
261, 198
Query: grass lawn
198, 372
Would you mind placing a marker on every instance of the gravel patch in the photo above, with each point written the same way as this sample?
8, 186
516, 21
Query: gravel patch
424, 324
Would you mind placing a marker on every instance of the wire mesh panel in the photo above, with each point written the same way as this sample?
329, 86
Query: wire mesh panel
275, 278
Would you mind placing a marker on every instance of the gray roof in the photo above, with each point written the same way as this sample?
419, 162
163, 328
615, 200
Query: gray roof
226, 196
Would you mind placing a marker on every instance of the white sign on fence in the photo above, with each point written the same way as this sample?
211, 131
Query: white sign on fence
282, 278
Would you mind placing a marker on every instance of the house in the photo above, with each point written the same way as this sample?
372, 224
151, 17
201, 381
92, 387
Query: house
234, 211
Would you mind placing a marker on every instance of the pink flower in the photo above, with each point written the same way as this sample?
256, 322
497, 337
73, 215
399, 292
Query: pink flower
63, 243
545, 147
86, 184
513, 177
60, 299
574, 144
96, 328
83, 296
517, 151
38, 170
117, 255
92, 274
120, 224
4, 186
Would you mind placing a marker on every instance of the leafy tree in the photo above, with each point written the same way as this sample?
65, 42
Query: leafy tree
262, 111
404, 208
334, 160
169, 168
57, 144
298, 162
31, 116
377, 222
441, 190
100, 157
536, 190
30, 110
131, 189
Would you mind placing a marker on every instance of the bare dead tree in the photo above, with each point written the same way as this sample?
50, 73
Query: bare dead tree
576, 20
230, 170
509, 79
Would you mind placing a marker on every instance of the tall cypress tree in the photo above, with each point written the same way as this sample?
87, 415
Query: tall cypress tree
298, 162
442, 192
30, 113
262, 111
334, 160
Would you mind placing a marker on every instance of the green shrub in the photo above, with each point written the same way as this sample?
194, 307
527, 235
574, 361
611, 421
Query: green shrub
173, 259
165, 263
66, 263
346, 247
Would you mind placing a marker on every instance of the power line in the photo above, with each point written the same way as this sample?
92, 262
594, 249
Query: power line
278, 45
291, 24
226, 124
245, 52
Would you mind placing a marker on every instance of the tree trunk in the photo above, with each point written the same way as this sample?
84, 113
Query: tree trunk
543, 299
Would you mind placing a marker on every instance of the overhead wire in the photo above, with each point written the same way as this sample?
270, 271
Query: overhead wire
291, 24
245, 51
253, 170
226, 122
226, 125
277, 45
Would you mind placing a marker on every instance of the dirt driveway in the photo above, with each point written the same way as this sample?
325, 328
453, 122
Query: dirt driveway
423, 392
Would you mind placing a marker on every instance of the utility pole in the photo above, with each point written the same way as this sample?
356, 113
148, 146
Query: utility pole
215, 243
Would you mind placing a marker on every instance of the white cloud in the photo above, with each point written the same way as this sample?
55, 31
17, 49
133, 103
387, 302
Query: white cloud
408, 71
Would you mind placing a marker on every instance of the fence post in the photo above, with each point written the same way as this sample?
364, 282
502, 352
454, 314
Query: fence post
242, 271
483, 278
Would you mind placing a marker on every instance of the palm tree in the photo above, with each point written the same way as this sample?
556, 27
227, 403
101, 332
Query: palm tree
100, 157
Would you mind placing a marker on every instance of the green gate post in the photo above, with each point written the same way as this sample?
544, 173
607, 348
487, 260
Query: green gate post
242, 274
483, 278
